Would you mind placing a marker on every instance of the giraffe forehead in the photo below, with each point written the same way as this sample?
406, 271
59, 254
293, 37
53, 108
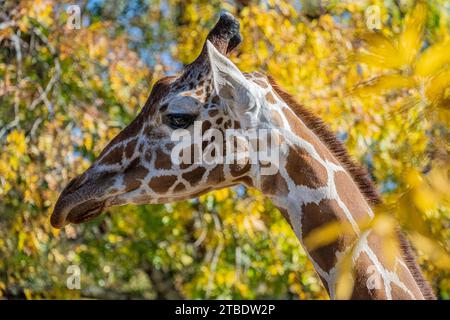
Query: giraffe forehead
187, 98
181, 102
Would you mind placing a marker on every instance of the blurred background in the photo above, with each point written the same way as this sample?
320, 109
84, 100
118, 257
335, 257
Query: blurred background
378, 72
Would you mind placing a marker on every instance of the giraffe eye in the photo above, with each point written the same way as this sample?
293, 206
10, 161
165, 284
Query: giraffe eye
180, 120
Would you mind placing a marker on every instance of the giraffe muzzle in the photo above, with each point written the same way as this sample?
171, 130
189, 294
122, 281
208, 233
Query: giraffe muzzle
81, 201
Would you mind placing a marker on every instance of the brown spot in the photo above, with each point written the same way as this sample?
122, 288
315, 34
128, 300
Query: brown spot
163, 160
213, 112
245, 180
219, 121
133, 175
199, 92
270, 98
302, 131
216, 175
205, 126
350, 194
215, 100
179, 187
194, 176
304, 170
162, 184
208, 90
274, 185
113, 156
319, 215
129, 149
185, 165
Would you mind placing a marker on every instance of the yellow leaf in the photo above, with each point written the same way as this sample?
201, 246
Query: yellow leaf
326, 234
436, 90
433, 59
380, 84
433, 250
16, 141
21, 241
27, 293
411, 38
345, 276
413, 178
379, 52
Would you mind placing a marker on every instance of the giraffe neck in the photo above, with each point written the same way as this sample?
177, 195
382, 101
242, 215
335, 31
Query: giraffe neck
312, 189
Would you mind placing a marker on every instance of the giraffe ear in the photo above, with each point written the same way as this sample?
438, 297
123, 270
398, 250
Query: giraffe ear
230, 83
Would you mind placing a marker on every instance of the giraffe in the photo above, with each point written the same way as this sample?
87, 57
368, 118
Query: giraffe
315, 182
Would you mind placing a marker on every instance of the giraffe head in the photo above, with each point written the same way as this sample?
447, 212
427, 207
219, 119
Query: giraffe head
138, 166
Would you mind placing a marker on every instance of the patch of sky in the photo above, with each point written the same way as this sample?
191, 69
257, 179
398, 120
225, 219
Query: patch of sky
359, 69
241, 190
154, 51
94, 5
342, 136
388, 185
77, 133
343, 18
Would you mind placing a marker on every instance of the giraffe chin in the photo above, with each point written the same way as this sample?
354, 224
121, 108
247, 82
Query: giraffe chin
85, 212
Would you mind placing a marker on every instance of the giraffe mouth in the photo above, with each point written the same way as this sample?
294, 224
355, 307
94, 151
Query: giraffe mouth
85, 212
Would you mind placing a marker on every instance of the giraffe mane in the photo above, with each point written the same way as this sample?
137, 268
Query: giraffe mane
358, 173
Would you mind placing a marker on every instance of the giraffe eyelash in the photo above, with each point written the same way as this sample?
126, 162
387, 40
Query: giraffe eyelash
180, 120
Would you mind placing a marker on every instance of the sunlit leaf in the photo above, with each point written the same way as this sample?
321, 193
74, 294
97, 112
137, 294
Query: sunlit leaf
381, 84
433, 59
411, 38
